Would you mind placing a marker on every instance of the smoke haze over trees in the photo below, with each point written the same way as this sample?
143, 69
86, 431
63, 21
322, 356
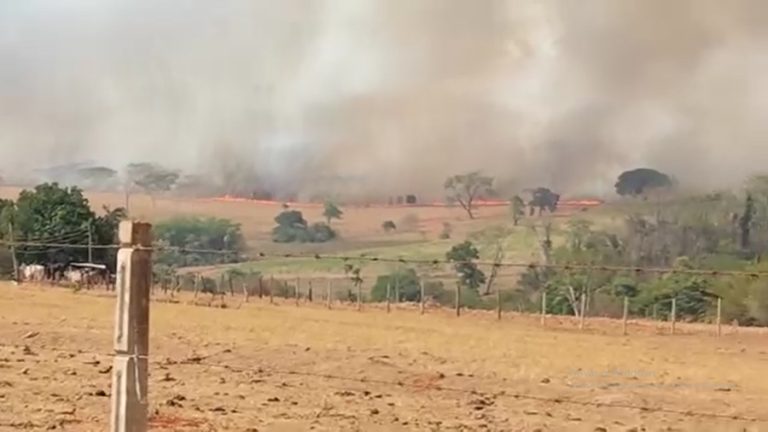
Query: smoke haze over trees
562, 93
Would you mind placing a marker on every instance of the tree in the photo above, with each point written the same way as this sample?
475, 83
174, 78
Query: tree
463, 256
745, 221
517, 208
331, 211
196, 234
388, 226
53, 214
543, 199
150, 178
97, 176
466, 188
639, 181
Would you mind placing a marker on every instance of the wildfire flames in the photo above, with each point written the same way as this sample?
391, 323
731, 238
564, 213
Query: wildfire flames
582, 203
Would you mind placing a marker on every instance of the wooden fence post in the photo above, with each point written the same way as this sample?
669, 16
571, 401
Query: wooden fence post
296, 291
397, 291
360, 296
719, 316
328, 290
582, 310
197, 282
498, 303
389, 294
131, 342
673, 314
246, 292
14, 261
543, 307
624, 317
272, 289
458, 299
231, 287
261, 287
421, 298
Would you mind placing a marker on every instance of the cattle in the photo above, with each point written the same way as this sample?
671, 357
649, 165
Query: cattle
87, 275
32, 272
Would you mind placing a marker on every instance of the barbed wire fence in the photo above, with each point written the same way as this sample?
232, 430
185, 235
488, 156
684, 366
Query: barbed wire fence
437, 287
305, 292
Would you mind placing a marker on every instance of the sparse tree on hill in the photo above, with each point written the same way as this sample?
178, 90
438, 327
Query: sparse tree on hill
745, 222
466, 188
150, 178
640, 181
332, 211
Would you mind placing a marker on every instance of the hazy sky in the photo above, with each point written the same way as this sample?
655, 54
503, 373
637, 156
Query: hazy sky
399, 92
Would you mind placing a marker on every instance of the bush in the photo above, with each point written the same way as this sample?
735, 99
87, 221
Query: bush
293, 228
198, 233
406, 282
388, 226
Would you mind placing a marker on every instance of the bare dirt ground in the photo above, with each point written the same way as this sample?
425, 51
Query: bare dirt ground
261, 367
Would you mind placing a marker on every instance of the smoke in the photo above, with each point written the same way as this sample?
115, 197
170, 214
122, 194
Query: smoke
373, 97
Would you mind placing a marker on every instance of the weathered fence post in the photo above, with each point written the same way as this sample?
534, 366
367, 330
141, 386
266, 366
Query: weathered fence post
582, 310
14, 261
296, 291
272, 289
389, 294
131, 343
673, 314
498, 303
328, 293
624, 316
421, 297
360, 296
261, 287
231, 287
719, 316
397, 291
458, 299
197, 283
246, 291
543, 307
309, 291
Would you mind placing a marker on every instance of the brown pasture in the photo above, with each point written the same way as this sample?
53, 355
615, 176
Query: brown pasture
261, 367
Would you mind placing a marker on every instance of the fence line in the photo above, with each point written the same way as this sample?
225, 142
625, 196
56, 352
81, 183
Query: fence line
346, 258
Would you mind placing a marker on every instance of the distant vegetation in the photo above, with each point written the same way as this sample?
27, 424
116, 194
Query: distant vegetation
639, 182
198, 241
53, 214
465, 189
293, 228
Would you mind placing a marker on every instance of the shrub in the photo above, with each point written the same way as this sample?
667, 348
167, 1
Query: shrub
406, 282
388, 226
293, 228
198, 233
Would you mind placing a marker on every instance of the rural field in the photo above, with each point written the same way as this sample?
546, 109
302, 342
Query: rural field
262, 367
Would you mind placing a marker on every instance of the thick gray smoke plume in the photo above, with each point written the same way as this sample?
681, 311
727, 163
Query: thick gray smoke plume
374, 97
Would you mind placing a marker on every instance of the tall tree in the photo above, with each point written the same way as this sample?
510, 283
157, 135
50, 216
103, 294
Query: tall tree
639, 181
466, 188
332, 211
150, 178
543, 199
517, 208
463, 255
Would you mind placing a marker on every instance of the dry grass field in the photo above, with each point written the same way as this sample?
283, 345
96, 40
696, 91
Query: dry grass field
261, 367
360, 228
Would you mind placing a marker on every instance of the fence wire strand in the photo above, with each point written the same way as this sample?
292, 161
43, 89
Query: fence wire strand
259, 256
